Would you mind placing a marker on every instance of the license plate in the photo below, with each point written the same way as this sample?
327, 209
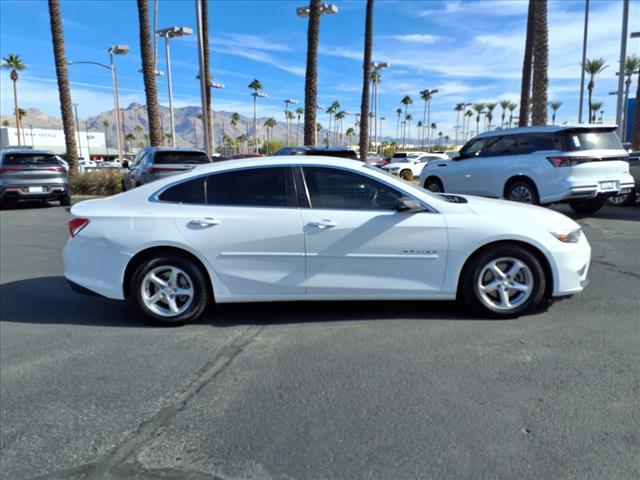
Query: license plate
36, 189
607, 186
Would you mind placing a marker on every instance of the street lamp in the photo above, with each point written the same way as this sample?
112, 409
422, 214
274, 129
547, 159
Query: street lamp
376, 67
288, 101
428, 93
255, 96
75, 109
324, 9
381, 119
167, 33
623, 57
113, 50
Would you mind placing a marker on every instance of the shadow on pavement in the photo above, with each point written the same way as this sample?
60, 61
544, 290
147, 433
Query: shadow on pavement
50, 300
630, 213
29, 205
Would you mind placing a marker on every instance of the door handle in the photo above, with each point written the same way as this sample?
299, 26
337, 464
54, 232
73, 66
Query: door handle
442, 164
322, 224
204, 222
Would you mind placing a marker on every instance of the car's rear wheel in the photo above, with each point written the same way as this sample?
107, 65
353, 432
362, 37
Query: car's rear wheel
406, 175
623, 200
588, 206
433, 185
170, 290
65, 200
522, 191
504, 282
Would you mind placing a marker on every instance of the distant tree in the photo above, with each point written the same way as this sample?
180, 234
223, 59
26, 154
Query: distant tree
594, 107
468, 114
14, 63
419, 126
511, 107
478, 108
458, 109
350, 133
235, 118
504, 104
592, 68
332, 110
290, 116
299, 113
5, 123
269, 124
490, 108
339, 118
398, 113
554, 107
105, 125
130, 137
408, 120
256, 86
406, 101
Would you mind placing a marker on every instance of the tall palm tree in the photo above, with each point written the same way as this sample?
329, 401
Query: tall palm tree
331, 110
433, 126
269, 124
398, 113
419, 126
406, 101
539, 91
350, 133
235, 118
149, 75
204, 13
130, 137
468, 114
631, 64
426, 96
525, 88
21, 114
511, 107
554, 107
299, 113
490, 108
592, 68
290, 117
14, 63
256, 86
64, 92
311, 75
338, 127
366, 76
105, 125
408, 119
504, 104
458, 108
478, 108
594, 107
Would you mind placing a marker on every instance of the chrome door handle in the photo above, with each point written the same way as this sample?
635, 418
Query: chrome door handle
204, 222
323, 224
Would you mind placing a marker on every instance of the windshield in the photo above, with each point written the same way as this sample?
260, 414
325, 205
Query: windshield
593, 140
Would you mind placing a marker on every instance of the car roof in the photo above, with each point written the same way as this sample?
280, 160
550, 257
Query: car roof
27, 150
545, 129
174, 149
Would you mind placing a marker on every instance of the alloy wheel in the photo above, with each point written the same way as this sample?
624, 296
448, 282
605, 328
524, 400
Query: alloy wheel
521, 193
167, 291
505, 283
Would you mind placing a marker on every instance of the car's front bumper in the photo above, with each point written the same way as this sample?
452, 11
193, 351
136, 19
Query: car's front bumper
571, 265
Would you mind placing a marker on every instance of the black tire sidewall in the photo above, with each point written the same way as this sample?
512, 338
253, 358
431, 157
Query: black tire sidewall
470, 290
586, 207
535, 200
434, 181
201, 296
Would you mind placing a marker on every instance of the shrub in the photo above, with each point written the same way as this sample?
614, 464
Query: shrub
100, 182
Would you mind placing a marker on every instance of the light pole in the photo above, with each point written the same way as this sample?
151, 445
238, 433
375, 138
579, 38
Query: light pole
75, 109
315, 128
381, 119
113, 50
255, 96
428, 93
288, 101
375, 69
584, 58
623, 58
86, 129
167, 33
203, 80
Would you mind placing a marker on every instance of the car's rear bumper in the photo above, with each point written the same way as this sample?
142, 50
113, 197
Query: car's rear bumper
26, 192
606, 188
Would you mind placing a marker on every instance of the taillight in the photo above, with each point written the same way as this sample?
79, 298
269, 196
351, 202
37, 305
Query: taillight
568, 161
162, 169
76, 225
11, 169
56, 169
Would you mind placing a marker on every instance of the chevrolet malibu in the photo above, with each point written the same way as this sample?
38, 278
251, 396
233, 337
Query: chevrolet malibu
312, 228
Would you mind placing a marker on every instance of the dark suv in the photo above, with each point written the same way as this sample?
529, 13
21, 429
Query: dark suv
319, 151
33, 174
154, 163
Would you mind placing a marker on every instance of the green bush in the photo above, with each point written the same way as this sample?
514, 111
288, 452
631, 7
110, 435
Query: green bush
101, 182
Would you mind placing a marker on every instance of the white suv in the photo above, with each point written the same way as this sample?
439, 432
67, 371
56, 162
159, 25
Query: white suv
410, 165
581, 165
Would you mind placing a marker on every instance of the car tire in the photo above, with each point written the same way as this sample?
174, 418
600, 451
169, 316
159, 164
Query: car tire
65, 200
406, 175
588, 206
434, 185
522, 191
515, 288
156, 286
623, 200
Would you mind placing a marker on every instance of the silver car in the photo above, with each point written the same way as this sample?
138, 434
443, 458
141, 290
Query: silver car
153, 163
33, 174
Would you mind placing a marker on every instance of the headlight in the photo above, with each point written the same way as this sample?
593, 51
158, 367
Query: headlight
567, 236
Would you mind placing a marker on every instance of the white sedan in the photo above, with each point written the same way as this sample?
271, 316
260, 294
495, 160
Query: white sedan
411, 167
314, 228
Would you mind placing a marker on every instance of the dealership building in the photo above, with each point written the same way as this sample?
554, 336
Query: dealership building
90, 144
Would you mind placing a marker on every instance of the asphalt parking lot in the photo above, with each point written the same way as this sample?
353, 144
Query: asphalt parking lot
320, 390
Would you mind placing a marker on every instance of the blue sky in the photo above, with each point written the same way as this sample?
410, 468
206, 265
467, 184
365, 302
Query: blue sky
470, 50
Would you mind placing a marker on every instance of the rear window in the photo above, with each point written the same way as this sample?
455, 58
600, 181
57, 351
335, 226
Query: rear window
30, 159
399, 155
164, 158
592, 140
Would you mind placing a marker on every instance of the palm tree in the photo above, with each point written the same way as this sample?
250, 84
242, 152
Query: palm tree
458, 108
21, 114
504, 104
14, 63
331, 110
408, 120
366, 77
350, 133
593, 68
138, 129
540, 65
419, 126
468, 114
299, 113
594, 107
146, 138
64, 92
269, 124
433, 129
554, 107
511, 107
204, 14
256, 86
525, 89
5, 123
130, 137
398, 113
338, 127
290, 116
478, 108
105, 125
311, 75
630, 66
240, 140
235, 118
406, 101
149, 75
490, 108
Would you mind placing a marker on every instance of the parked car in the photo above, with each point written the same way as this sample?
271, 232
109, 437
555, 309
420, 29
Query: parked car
375, 159
33, 174
339, 152
580, 165
410, 166
625, 199
315, 228
85, 165
153, 163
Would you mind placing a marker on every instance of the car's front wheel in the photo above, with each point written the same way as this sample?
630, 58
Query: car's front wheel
588, 206
406, 175
170, 290
504, 282
433, 185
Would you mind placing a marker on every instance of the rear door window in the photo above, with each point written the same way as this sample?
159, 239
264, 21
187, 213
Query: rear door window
504, 145
171, 157
256, 187
191, 192
533, 142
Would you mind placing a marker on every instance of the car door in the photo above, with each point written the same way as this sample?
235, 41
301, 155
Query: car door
130, 177
247, 224
359, 246
459, 174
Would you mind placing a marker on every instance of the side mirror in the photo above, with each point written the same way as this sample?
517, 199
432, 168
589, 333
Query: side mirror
125, 164
408, 205
456, 156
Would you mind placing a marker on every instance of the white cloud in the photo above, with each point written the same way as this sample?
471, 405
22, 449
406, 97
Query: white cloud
422, 38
